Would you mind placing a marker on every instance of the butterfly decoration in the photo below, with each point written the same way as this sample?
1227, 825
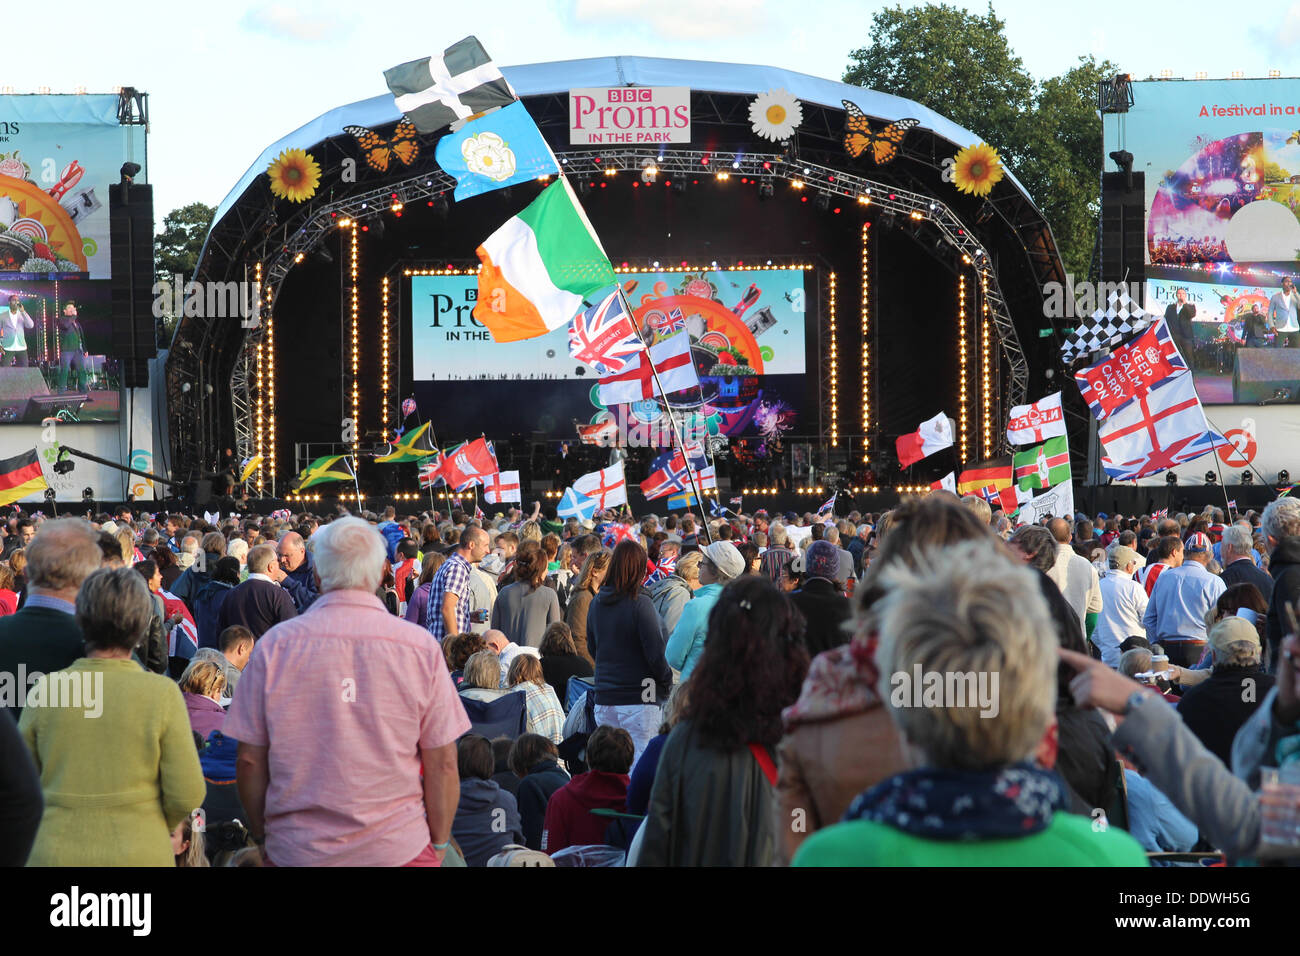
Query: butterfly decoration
1293, 138
404, 144
883, 144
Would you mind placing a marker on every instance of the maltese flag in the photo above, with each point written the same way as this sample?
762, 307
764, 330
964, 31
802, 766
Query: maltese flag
933, 435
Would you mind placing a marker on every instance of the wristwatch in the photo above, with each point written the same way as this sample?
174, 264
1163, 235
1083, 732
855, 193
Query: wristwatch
1134, 700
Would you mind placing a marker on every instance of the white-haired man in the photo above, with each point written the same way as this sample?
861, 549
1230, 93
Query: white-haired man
1236, 551
372, 691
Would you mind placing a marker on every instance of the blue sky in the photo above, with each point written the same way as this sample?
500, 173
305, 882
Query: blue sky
227, 82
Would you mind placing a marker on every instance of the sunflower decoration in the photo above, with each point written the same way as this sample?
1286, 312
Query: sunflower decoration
977, 169
775, 115
294, 175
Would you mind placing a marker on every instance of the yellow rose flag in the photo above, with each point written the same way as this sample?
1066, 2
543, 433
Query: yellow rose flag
539, 266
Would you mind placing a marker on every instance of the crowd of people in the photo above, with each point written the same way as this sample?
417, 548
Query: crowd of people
928, 686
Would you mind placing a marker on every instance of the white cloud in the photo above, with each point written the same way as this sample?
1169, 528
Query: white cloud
1281, 39
678, 19
280, 21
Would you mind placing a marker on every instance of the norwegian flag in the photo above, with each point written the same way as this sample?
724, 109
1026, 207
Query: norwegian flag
1160, 429
608, 487
1131, 370
604, 336
501, 487
1105, 328
637, 381
666, 480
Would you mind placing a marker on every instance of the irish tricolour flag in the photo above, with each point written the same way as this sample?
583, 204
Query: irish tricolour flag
539, 266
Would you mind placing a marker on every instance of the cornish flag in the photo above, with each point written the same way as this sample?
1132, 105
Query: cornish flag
636, 382
607, 487
604, 336
501, 487
576, 505
437, 91
1158, 430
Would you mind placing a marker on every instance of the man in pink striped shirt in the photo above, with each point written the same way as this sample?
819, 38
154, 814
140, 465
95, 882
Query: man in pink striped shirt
338, 712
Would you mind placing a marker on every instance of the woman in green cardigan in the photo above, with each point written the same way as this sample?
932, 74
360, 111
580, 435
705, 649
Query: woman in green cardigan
112, 742
968, 660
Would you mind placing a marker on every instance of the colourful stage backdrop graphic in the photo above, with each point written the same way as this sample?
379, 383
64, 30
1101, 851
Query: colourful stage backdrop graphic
747, 331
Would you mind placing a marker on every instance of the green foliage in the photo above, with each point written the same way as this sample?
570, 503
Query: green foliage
177, 246
1048, 134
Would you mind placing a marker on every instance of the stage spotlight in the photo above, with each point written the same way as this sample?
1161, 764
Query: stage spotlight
679, 185
766, 190
888, 218
584, 186
985, 213
1211, 478
376, 228
87, 494
1171, 478
1124, 160
1284, 477
64, 464
1247, 477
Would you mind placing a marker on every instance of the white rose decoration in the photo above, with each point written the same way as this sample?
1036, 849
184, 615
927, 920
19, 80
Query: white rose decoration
488, 155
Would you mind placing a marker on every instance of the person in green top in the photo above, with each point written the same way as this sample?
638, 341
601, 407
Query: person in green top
12, 336
72, 348
968, 662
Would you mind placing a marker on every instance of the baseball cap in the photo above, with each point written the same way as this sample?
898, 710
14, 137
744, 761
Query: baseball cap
726, 557
1197, 543
1232, 630
1123, 556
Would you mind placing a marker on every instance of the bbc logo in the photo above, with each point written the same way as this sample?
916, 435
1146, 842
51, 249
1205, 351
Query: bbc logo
630, 95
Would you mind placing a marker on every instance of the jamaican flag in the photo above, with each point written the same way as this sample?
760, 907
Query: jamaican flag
328, 468
410, 447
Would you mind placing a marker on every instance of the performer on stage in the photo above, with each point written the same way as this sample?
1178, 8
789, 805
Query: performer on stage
1282, 309
72, 348
12, 338
1255, 325
1179, 316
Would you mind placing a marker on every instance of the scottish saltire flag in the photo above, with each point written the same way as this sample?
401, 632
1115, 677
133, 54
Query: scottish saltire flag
716, 509
495, 151
1130, 370
437, 91
1162, 428
604, 336
574, 504
637, 382
501, 487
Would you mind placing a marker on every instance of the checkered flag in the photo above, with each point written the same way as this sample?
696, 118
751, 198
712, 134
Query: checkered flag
1104, 329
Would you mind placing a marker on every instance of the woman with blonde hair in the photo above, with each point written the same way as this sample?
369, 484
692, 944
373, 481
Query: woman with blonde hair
545, 717
203, 686
482, 677
187, 842
590, 578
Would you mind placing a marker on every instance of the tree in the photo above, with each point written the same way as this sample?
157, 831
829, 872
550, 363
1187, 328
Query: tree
1049, 135
177, 247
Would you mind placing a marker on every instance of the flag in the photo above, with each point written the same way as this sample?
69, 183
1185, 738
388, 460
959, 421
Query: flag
573, 504
828, 506
20, 476
947, 483
539, 266
736, 502
1232, 505
495, 151
409, 447
716, 509
1158, 430
933, 435
669, 478
1130, 371
431, 470
469, 463
657, 572
323, 469
636, 382
183, 639
1036, 421
408, 407
478, 512
1162, 513
1043, 465
996, 473
607, 486
250, 465
617, 532
1284, 490
501, 487
681, 500
603, 433
1057, 503
694, 449
604, 336
1105, 328
437, 91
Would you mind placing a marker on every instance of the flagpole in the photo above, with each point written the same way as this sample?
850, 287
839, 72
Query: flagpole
677, 431
355, 483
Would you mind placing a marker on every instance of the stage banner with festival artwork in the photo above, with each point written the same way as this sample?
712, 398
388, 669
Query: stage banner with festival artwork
747, 328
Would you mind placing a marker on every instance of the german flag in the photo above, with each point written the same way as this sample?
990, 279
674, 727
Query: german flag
992, 480
20, 476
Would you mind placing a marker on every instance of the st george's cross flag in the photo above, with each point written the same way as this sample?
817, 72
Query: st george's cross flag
1043, 466
605, 336
933, 435
539, 266
606, 487
574, 504
1036, 421
1162, 428
1130, 371
437, 91
501, 487
636, 382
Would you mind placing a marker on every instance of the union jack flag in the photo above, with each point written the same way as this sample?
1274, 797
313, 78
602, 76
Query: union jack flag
1131, 370
657, 572
1162, 513
604, 336
431, 471
1162, 428
676, 322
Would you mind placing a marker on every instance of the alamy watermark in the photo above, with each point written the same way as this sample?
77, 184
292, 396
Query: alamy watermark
946, 689
79, 689
1071, 300
210, 300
